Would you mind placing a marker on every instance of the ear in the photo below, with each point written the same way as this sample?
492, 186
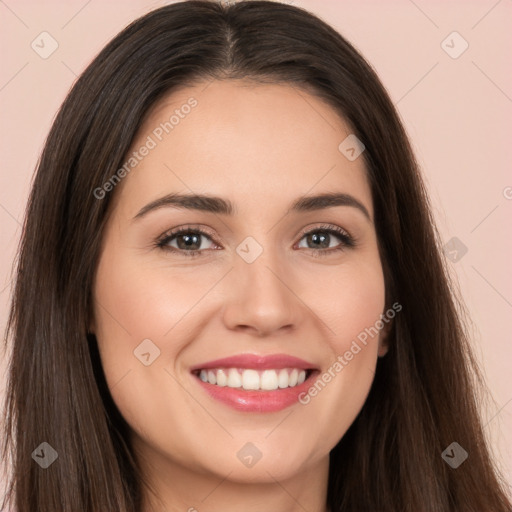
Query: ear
384, 338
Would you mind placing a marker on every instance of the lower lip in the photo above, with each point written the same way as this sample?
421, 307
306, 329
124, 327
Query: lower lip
256, 401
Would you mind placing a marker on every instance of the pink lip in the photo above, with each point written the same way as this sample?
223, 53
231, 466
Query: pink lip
256, 401
255, 362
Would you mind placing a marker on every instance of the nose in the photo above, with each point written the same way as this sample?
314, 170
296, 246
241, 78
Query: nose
261, 299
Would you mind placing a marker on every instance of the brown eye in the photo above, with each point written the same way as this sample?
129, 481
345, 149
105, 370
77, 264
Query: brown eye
186, 240
322, 240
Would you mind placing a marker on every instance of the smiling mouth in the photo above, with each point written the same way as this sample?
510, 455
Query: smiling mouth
254, 380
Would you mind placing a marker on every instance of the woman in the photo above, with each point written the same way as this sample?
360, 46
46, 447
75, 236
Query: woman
230, 293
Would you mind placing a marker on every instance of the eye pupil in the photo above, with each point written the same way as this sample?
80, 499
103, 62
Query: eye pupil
315, 237
188, 241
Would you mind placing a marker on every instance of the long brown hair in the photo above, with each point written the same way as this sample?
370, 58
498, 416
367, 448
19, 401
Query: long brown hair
423, 397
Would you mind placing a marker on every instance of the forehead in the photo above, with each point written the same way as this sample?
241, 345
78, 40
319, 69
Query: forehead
258, 144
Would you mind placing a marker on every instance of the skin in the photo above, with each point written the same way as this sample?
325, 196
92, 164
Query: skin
261, 147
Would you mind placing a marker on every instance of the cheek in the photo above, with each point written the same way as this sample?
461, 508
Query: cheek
350, 309
134, 302
133, 305
348, 302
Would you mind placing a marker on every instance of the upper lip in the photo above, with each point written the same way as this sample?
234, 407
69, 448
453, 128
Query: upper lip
257, 362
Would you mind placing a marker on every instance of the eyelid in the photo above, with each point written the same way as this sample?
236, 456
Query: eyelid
187, 227
325, 227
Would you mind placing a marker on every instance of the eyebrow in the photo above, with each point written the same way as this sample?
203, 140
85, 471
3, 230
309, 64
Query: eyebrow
218, 205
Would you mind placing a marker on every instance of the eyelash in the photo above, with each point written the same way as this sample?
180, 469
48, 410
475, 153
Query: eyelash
347, 241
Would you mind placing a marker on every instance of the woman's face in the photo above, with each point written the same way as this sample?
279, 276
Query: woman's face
263, 283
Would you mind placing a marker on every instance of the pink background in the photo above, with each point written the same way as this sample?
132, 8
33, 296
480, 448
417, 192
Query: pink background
457, 112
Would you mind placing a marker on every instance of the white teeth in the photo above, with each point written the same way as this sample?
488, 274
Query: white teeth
250, 379
269, 380
234, 379
283, 379
222, 378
